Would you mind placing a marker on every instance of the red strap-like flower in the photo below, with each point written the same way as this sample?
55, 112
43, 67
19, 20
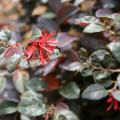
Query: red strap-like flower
113, 103
41, 48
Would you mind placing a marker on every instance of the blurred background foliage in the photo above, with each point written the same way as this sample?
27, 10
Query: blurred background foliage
76, 83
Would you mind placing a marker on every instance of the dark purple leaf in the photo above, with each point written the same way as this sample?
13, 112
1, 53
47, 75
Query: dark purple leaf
64, 39
92, 43
71, 57
65, 12
44, 23
61, 106
10, 93
50, 67
55, 5
103, 12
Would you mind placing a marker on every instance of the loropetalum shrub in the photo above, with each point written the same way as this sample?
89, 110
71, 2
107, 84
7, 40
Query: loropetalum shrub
102, 64
40, 85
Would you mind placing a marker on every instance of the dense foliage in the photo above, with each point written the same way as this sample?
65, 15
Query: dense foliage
60, 59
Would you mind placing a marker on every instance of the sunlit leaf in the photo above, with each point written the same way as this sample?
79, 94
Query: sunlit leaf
93, 28
5, 34
2, 84
86, 20
114, 47
116, 94
19, 79
32, 105
36, 84
94, 92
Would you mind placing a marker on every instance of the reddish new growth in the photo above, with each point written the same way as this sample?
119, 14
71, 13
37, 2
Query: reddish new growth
41, 48
113, 103
49, 113
13, 49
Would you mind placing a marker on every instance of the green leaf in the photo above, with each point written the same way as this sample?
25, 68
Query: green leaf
87, 19
118, 81
114, 47
34, 63
2, 60
5, 34
65, 115
19, 79
70, 91
93, 28
116, 94
94, 92
102, 57
12, 62
7, 107
2, 84
109, 16
32, 107
36, 33
23, 64
86, 70
75, 66
23, 117
55, 54
32, 104
36, 84
49, 15
117, 17
30, 95
106, 82
99, 75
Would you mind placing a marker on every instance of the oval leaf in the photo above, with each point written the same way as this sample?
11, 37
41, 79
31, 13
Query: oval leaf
93, 28
70, 91
7, 107
116, 94
65, 115
114, 47
19, 79
36, 84
2, 84
32, 104
94, 92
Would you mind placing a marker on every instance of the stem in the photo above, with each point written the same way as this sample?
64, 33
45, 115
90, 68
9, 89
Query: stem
114, 87
104, 69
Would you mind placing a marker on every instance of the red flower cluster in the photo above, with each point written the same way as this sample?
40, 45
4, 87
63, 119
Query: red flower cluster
113, 103
41, 48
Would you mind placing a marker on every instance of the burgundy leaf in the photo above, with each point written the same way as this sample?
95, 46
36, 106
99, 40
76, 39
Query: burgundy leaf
64, 39
71, 57
66, 11
44, 23
103, 12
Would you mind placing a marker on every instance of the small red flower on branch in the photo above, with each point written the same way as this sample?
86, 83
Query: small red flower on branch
41, 48
113, 103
